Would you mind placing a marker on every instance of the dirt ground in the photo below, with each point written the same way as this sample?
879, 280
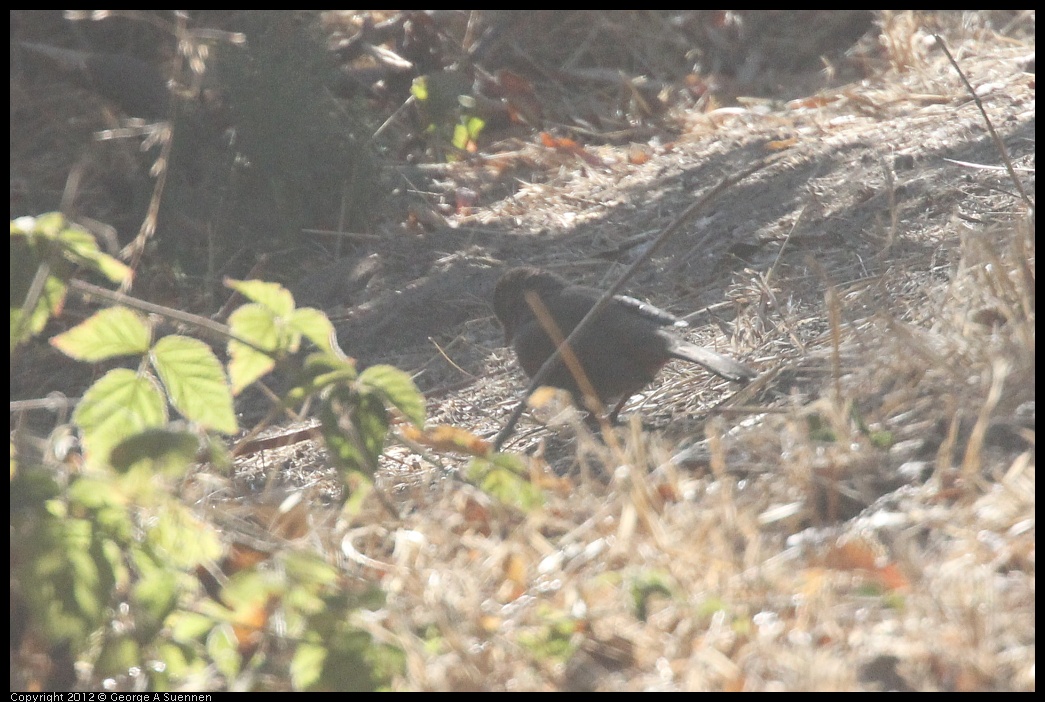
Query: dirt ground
791, 549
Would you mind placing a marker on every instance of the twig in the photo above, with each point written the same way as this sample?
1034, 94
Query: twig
221, 330
990, 127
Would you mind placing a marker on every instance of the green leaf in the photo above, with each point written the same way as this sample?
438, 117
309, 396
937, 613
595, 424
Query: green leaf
309, 568
155, 597
28, 259
181, 538
398, 389
315, 326
256, 324
187, 627
80, 247
467, 132
307, 665
119, 655
195, 382
820, 429
68, 579
371, 422
460, 138
501, 477
44, 246
121, 403
110, 333
319, 371
222, 649
167, 451
419, 88
106, 503
475, 127
354, 426
272, 296
71, 243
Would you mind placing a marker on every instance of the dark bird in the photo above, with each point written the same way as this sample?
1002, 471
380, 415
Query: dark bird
135, 86
622, 349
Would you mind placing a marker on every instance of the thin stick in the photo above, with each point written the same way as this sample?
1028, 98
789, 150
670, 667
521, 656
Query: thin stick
990, 127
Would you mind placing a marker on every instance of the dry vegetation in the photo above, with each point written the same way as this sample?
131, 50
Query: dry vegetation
860, 517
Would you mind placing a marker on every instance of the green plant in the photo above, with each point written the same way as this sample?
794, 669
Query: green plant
107, 560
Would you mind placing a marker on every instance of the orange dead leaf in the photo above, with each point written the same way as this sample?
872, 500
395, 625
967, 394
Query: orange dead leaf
241, 557
514, 570
781, 144
638, 155
569, 146
442, 437
250, 624
859, 554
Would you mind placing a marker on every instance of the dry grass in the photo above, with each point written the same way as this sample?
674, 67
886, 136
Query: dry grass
879, 534
862, 518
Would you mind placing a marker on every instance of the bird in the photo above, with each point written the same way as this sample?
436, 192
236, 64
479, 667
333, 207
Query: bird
621, 351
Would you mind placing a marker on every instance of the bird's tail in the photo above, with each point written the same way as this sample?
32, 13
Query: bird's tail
722, 366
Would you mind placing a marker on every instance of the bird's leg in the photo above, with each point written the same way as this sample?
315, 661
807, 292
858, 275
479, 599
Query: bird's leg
612, 417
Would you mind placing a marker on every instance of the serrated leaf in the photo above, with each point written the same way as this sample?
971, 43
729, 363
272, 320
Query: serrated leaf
181, 538
354, 426
71, 243
256, 324
272, 296
109, 333
81, 248
313, 325
320, 370
398, 389
371, 421
113, 269
26, 324
195, 382
69, 578
121, 403
168, 452
29, 317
